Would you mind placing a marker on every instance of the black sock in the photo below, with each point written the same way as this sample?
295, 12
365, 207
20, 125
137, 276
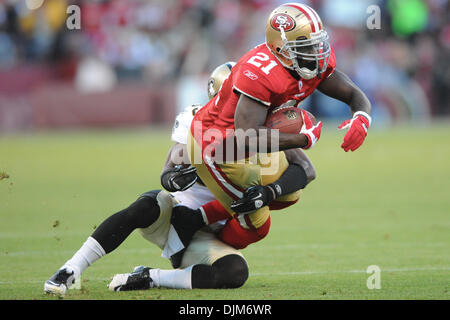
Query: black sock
115, 229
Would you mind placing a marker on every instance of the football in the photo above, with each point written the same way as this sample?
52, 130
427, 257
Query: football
287, 119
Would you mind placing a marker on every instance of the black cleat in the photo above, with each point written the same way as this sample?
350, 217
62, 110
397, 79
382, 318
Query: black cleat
139, 279
186, 223
60, 282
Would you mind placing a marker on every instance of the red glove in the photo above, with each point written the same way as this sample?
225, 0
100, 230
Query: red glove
357, 131
311, 131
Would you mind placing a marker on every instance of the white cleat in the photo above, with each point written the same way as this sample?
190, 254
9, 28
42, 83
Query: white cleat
118, 280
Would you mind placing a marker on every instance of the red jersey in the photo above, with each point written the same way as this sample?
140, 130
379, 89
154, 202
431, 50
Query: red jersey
260, 76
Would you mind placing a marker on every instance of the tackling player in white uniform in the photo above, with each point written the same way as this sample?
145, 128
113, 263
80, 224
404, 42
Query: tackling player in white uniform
207, 262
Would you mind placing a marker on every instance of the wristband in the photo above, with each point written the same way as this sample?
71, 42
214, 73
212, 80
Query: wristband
364, 114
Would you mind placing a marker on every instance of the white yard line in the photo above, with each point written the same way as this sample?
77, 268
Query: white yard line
388, 243
258, 274
41, 235
43, 253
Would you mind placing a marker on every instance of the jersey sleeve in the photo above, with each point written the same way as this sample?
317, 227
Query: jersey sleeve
251, 82
182, 124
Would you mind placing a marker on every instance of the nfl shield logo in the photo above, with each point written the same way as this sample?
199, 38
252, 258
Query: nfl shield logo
300, 94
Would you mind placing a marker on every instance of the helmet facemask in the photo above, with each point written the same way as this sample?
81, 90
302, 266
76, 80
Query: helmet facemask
309, 57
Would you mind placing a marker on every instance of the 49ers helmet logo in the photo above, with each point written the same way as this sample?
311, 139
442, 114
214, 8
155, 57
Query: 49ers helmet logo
282, 20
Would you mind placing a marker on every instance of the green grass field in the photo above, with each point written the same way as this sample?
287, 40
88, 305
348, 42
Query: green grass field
387, 204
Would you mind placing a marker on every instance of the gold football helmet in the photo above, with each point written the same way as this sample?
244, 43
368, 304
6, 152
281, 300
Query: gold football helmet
217, 78
295, 35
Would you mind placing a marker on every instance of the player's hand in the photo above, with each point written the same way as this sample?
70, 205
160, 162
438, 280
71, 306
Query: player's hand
357, 130
311, 131
254, 198
179, 178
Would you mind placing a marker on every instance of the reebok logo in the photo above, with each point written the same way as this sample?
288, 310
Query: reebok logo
250, 74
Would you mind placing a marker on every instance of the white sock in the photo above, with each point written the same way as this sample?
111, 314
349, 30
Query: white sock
175, 279
89, 252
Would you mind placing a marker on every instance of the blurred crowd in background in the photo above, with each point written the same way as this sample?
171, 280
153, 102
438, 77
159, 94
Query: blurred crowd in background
404, 66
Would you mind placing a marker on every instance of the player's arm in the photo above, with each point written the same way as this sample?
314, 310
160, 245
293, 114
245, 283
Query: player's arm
340, 87
299, 158
251, 114
177, 173
177, 155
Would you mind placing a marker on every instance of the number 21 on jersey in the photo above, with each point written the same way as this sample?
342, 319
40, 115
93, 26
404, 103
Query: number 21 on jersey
265, 67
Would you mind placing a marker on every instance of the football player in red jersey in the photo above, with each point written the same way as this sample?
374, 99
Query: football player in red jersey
295, 60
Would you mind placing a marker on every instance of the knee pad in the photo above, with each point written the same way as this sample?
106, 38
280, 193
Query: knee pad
232, 271
150, 194
145, 210
157, 231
